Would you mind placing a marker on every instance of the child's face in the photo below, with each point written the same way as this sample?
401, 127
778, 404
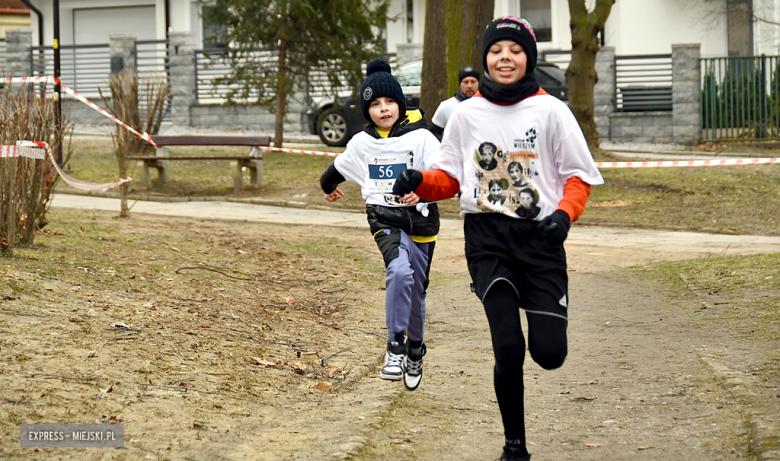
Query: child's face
526, 200
495, 191
506, 62
515, 173
383, 112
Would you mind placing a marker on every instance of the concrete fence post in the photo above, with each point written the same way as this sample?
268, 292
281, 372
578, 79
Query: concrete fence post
18, 43
604, 91
686, 94
121, 48
183, 76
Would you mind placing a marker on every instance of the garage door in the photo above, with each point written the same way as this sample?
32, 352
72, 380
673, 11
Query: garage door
94, 25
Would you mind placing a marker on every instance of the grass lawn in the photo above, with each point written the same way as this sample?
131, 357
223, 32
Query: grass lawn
734, 200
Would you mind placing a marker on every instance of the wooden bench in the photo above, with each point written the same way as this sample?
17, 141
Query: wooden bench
162, 160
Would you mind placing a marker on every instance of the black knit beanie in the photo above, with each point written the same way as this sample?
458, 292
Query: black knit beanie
380, 82
468, 72
509, 28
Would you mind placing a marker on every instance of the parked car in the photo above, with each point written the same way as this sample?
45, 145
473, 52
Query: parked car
337, 119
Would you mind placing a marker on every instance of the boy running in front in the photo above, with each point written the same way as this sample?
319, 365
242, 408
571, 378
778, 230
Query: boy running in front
405, 229
515, 251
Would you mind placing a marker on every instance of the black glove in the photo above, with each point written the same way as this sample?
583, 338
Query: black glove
407, 182
555, 227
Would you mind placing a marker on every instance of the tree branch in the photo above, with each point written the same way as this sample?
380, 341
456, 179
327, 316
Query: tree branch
577, 8
601, 11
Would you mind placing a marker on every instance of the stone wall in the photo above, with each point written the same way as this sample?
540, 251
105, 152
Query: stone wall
686, 93
640, 127
604, 91
246, 117
681, 126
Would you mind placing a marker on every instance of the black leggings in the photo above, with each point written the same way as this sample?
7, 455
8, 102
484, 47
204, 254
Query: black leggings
546, 342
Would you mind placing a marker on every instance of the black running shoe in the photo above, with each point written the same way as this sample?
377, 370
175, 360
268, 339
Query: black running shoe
514, 454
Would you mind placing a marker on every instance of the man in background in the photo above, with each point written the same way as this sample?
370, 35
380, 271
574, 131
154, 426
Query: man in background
469, 83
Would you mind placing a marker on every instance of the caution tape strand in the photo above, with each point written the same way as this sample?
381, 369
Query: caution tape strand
40, 150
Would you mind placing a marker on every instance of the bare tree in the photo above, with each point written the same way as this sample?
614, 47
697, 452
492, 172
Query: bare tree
581, 75
27, 184
124, 104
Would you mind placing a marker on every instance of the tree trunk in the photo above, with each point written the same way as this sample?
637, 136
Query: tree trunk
281, 93
465, 22
581, 75
453, 21
483, 14
434, 71
124, 210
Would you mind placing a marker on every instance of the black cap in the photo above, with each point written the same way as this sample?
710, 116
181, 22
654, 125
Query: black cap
509, 28
380, 82
468, 72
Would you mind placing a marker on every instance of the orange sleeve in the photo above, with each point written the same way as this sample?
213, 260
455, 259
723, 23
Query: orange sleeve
437, 185
575, 196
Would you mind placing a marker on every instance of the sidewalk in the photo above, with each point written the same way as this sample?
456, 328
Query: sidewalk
695, 243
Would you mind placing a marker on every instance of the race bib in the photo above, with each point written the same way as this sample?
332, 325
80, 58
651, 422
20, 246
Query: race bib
382, 172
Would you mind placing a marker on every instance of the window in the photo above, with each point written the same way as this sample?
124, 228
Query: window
213, 32
539, 14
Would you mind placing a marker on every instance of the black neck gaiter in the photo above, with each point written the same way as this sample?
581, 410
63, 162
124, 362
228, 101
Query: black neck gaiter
508, 94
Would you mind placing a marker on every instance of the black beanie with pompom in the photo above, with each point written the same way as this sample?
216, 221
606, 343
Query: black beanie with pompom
380, 82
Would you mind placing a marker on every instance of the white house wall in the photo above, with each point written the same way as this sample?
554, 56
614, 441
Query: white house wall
180, 16
766, 29
651, 27
396, 30
634, 26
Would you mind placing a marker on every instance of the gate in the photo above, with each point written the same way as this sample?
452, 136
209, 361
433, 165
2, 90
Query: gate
152, 61
740, 98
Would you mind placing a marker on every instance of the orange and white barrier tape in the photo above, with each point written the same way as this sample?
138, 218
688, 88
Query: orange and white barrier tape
40, 150
681, 163
144, 136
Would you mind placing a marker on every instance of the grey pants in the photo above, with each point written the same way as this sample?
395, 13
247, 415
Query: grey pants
408, 264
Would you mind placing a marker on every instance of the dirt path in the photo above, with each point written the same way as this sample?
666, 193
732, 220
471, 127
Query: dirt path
643, 379
633, 386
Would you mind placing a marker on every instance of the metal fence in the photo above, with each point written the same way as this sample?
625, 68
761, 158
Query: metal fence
740, 98
84, 68
152, 62
3, 70
643, 83
211, 65
560, 58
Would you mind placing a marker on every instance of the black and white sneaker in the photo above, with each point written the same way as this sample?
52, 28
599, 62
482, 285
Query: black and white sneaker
413, 367
394, 357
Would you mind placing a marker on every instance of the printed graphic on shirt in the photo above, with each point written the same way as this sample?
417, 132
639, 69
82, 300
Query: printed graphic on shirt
505, 177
